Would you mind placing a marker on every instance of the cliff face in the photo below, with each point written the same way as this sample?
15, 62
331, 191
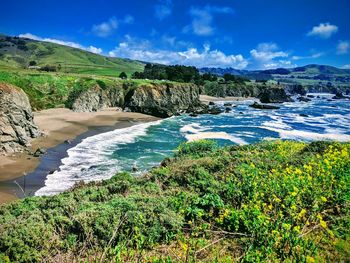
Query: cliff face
157, 99
16, 120
97, 98
163, 100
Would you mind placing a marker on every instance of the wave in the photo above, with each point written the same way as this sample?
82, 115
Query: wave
307, 135
89, 160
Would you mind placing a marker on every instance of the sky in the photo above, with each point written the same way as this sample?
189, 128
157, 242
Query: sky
243, 34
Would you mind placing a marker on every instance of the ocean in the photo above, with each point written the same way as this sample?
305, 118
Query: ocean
142, 146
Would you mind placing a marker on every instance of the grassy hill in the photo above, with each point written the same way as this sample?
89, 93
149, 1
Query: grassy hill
18, 52
269, 202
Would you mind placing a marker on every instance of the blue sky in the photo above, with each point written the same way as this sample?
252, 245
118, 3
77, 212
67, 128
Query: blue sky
249, 34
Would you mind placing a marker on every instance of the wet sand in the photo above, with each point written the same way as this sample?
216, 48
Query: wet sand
58, 126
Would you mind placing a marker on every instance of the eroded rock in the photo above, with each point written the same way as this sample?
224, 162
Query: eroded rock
16, 120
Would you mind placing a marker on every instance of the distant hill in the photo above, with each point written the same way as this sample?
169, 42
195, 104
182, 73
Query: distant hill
19, 52
310, 74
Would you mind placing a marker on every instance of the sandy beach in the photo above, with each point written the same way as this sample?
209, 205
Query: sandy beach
206, 99
59, 125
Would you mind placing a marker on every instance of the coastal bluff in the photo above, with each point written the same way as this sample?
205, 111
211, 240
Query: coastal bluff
16, 120
156, 99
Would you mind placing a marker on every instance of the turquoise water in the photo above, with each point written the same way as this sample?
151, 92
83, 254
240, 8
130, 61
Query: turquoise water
145, 145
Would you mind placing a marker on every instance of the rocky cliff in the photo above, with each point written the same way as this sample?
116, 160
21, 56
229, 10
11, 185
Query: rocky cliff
163, 100
16, 120
96, 98
157, 99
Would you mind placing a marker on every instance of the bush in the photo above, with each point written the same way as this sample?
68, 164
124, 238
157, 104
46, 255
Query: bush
267, 202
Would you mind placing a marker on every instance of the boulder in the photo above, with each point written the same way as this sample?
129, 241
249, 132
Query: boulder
228, 109
211, 103
39, 152
339, 95
263, 106
215, 110
16, 120
227, 104
303, 99
274, 95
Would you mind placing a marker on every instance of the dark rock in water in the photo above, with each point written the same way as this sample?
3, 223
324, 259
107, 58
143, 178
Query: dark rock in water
310, 96
339, 95
68, 141
134, 169
263, 106
93, 167
274, 95
303, 115
241, 112
51, 171
16, 120
318, 97
198, 109
39, 152
215, 110
303, 99
193, 114
211, 103
228, 109
329, 100
227, 104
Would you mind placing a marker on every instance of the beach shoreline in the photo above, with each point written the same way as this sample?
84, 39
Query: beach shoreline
62, 130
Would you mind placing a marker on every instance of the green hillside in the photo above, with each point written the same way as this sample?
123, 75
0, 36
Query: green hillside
19, 52
269, 202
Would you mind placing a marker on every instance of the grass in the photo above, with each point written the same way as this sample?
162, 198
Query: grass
272, 201
71, 60
51, 90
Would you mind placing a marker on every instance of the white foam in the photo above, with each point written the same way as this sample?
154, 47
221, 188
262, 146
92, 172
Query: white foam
88, 160
215, 135
306, 135
192, 128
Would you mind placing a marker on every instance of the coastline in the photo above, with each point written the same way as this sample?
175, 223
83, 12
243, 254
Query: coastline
58, 126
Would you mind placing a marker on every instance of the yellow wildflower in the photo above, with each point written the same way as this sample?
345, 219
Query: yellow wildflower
323, 224
324, 199
310, 259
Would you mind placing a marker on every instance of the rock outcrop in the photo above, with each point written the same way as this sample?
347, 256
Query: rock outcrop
96, 98
16, 120
274, 95
256, 105
163, 100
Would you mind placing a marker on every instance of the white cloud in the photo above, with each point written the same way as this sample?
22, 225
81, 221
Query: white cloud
315, 55
343, 47
268, 55
128, 19
202, 19
64, 43
163, 9
323, 30
347, 66
266, 52
142, 50
106, 28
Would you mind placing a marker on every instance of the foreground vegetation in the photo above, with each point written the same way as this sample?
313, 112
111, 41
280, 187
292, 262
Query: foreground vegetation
282, 200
